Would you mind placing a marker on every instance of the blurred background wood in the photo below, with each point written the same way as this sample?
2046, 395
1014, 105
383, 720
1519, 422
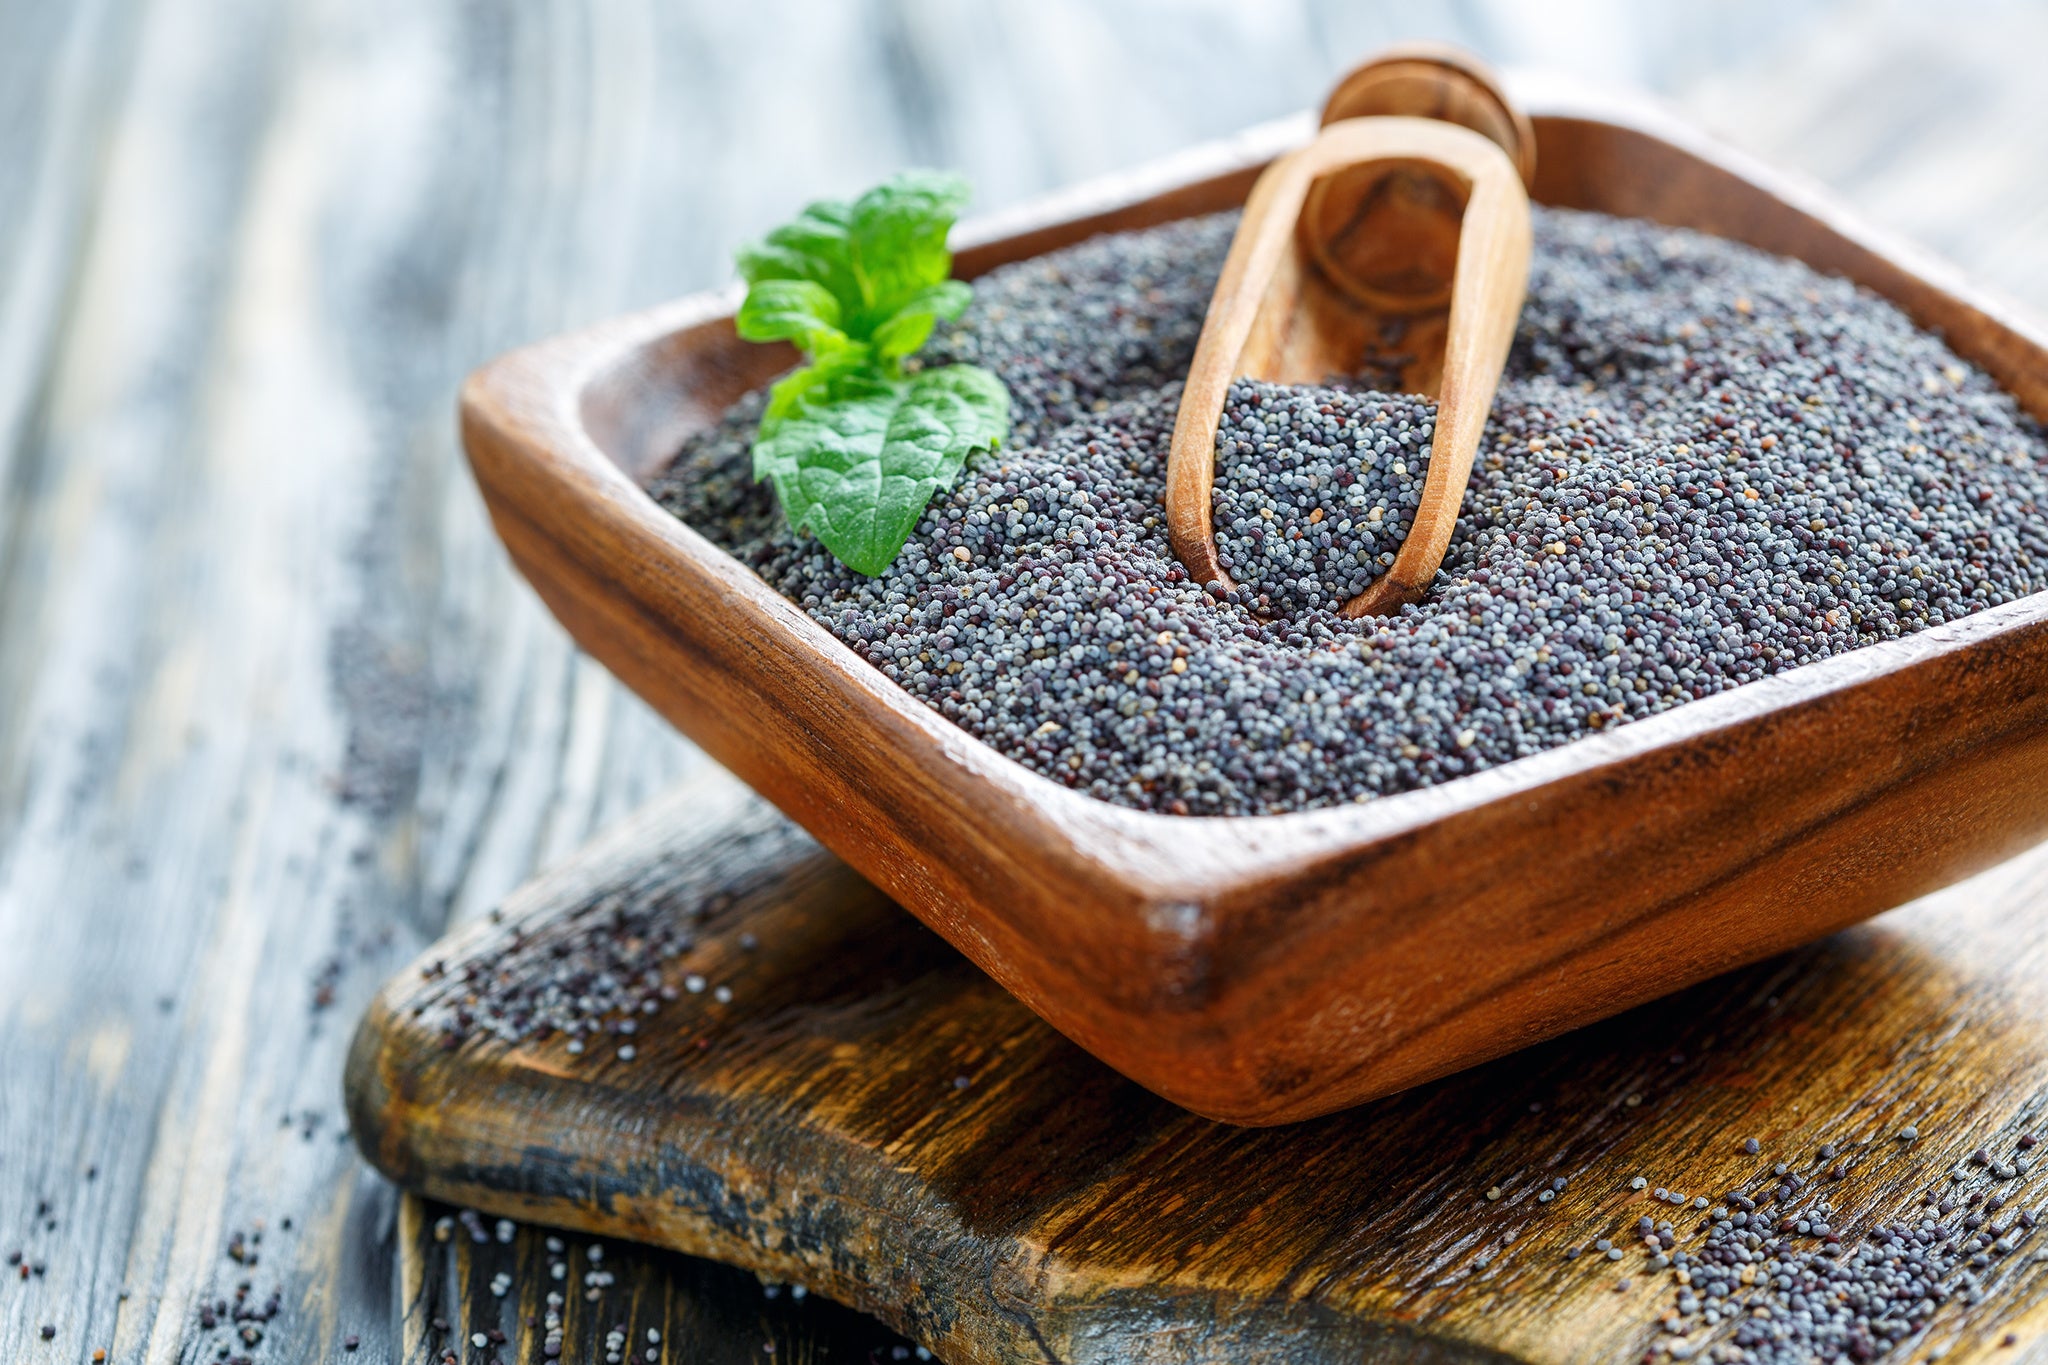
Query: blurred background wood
273, 710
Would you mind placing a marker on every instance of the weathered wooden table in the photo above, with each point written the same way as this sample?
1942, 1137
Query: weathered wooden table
273, 711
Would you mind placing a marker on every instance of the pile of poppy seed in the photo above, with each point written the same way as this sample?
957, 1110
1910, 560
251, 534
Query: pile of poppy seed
1706, 465
1771, 1280
1313, 496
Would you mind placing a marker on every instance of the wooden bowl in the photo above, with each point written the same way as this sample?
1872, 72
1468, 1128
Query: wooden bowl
1270, 968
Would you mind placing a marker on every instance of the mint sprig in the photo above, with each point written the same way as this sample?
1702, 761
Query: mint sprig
856, 446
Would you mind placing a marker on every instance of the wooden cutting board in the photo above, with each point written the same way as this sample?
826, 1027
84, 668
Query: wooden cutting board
849, 1105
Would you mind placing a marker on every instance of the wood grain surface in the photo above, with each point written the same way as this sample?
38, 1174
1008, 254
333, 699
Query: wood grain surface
270, 697
1273, 968
856, 1108
453, 1287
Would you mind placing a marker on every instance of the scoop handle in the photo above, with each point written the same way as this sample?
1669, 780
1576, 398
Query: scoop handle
1488, 281
1486, 302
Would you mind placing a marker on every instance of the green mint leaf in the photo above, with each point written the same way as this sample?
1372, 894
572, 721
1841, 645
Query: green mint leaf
802, 311
859, 456
855, 448
897, 239
910, 326
965, 401
814, 246
799, 384
872, 256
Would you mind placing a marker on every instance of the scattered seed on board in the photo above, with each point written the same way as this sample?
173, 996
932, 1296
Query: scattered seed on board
596, 973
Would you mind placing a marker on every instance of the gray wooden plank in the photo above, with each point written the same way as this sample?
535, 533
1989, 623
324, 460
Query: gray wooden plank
60, 66
135, 871
273, 710
230, 668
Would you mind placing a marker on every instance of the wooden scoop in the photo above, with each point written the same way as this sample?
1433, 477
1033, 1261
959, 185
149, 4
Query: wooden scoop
1395, 247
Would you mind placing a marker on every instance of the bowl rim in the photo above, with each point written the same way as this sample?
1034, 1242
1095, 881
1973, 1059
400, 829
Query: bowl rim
1198, 858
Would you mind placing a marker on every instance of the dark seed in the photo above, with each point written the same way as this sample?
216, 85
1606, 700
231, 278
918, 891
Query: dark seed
1661, 510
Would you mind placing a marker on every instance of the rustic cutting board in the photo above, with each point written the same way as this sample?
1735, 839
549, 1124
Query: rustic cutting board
849, 1105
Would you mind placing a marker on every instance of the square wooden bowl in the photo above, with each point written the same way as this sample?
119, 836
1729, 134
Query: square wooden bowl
1262, 969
